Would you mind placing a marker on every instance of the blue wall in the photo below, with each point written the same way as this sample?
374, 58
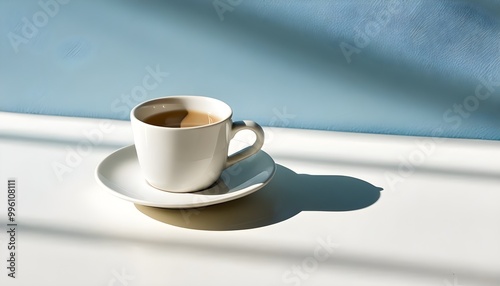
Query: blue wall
397, 67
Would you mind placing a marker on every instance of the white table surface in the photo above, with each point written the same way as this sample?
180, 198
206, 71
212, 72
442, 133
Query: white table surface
321, 220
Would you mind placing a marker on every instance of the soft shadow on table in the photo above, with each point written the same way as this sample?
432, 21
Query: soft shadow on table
285, 196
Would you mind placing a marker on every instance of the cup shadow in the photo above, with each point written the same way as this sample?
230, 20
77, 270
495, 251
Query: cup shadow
285, 196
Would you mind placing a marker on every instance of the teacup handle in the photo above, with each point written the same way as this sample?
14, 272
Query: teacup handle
250, 150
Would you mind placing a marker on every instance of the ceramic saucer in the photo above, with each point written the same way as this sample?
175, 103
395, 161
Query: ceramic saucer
120, 174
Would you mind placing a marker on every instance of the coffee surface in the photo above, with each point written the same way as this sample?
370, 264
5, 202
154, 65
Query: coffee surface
181, 119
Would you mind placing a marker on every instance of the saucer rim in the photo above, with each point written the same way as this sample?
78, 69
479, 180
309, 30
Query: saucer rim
222, 197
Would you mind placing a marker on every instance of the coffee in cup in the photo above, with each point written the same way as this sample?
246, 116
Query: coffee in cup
181, 118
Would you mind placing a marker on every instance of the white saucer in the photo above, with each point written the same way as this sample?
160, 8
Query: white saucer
120, 174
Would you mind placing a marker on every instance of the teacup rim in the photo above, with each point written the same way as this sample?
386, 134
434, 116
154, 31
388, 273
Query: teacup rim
133, 110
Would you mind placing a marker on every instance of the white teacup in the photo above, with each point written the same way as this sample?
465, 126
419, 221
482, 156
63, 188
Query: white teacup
186, 159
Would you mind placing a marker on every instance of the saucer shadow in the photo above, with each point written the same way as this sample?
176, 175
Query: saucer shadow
285, 196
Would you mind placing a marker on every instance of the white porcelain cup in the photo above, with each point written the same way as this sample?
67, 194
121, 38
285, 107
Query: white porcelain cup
192, 158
